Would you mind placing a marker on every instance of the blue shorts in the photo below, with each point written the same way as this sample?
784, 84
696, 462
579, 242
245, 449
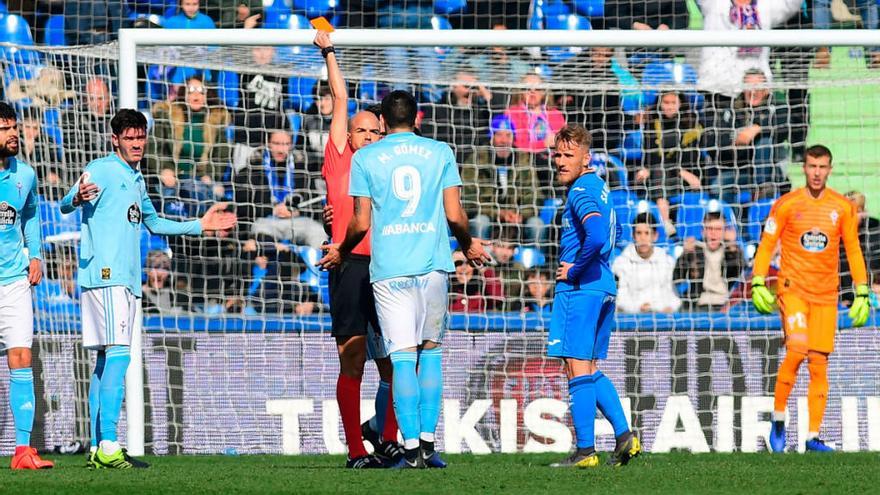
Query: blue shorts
580, 327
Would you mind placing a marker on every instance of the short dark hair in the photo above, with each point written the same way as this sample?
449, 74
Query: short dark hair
375, 109
713, 215
818, 151
7, 112
399, 109
645, 218
127, 118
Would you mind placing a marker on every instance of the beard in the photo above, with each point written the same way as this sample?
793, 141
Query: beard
6, 151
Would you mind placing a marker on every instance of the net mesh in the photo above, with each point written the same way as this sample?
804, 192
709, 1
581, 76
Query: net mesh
237, 355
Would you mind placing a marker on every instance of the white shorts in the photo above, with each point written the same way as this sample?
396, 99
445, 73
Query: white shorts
412, 310
109, 316
16, 315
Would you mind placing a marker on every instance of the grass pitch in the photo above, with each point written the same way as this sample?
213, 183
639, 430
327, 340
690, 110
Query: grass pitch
743, 474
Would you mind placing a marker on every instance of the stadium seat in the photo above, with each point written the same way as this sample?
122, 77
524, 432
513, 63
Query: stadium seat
277, 15
529, 257
302, 92
692, 207
15, 30
590, 8
52, 125
314, 8
312, 276
295, 120
605, 162
549, 209
627, 207
447, 7
56, 226
668, 73
632, 146
757, 213
294, 53
53, 35
227, 88
152, 242
3, 9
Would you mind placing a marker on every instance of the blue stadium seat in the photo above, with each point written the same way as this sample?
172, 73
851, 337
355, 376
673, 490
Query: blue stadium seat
529, 257
14, 29
757, 213
54, 31
549, 209
627, 207
312, 276
52, 125
227, 88
692, 207
604, 161
289, 53
590, 8
277, 15
3, 9
447, 7
314, 8
302, 92
295, 119
152, 242
632, 146
56, 226
665, 72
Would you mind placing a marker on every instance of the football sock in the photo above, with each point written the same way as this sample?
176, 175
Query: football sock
112, 391
785, 379
582, 402
405, 387
431, 386
21, 401
95, 399
817, 391
348, 396
377, 422
389, 433
609, 403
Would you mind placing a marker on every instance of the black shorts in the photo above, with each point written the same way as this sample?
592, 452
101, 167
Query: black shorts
352, 305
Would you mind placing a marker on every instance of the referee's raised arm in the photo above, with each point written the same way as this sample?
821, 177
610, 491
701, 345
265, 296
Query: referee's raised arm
339, 90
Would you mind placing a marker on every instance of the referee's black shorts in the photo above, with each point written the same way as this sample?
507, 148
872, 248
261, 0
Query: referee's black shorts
352, 305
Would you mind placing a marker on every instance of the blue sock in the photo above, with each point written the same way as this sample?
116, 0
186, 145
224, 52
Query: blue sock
95, 399
113, 390
431, 386
378, 422
21, 400
609, 403
405, 385
582, 401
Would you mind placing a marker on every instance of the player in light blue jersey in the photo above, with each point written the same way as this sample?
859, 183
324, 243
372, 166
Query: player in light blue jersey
114, 202
19, 229
583, 307
408, 188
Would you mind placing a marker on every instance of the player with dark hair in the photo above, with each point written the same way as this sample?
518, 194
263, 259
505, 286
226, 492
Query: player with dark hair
114, 202
584, 304
808, 224
355, 325
408, 189
19, 229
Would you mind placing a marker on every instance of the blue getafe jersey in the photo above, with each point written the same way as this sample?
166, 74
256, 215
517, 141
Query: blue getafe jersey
588, 195
110, 253
405, 176
19, 224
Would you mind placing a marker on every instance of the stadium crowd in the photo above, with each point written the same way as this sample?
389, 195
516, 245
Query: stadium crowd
692, 172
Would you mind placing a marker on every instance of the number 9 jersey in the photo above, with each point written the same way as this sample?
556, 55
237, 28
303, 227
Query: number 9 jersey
404, 175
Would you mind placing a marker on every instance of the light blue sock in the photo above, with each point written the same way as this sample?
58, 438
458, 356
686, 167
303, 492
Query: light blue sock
609, 403
405, 385
377, 423
113, 390
21, 400
431, 385
95, 399
582, 401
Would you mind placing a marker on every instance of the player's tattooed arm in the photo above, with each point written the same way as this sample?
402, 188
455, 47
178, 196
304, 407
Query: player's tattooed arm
357, 230
458, 224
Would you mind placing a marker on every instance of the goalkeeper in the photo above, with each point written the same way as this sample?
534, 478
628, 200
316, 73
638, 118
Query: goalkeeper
809, 224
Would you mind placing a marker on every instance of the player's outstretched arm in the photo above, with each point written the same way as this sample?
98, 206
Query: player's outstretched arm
357, 230
458, 223
31, 228
217, 218
339, 90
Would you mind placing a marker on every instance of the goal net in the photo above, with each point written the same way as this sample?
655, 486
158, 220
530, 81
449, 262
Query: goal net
237, 355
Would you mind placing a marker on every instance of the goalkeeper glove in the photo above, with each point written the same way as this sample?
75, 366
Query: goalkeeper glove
861, 307
761, 296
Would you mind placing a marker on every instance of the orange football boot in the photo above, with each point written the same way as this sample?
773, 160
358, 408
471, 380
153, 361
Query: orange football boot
26, 458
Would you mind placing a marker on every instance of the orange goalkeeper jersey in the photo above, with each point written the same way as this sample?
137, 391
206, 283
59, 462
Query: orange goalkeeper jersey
809, 231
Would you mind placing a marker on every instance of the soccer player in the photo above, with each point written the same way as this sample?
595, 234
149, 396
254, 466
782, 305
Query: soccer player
583, 307
114, 204
19, 228
355, 325
408, 188
809, 223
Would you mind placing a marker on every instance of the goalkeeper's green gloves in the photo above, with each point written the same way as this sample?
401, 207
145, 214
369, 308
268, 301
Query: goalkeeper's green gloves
761, 296
861, 306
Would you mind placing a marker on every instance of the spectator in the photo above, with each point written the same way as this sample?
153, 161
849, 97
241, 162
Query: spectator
539, 300
85, 129
869, 239
671, 161
534, 123
284, 199
91, 22
644, 272
650, 14
471, 291
510, 271
213, 268
188, 136
158, 294
722, 69
748, 142
40, 151
868, 10
460, 117
316, 127
234, 14
262, 104
189, 17
501, 185
710, 267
